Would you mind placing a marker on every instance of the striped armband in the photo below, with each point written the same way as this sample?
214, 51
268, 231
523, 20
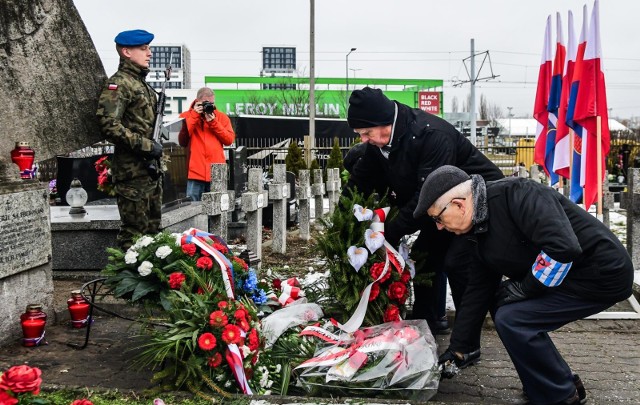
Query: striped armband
549, 272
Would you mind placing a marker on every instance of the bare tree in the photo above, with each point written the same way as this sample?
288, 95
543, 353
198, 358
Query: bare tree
454, 104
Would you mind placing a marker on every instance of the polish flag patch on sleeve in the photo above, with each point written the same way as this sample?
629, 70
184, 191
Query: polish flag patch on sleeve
112, 86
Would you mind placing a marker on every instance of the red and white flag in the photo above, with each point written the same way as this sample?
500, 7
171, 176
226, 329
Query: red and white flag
562, 155
540, 112
591, 102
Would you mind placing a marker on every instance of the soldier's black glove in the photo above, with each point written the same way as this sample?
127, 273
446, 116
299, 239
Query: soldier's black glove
511, 291
156, 150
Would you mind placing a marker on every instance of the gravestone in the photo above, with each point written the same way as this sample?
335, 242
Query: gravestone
317, 188
303, 192
279, 193
632, 205
253, 201
50, 80
219, 202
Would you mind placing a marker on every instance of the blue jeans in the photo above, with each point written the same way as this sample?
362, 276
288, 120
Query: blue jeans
195, 188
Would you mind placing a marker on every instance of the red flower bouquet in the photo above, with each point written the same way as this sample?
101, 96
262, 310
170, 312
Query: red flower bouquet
105, 183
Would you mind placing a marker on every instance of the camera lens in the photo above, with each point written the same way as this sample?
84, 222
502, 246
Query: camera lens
208, 107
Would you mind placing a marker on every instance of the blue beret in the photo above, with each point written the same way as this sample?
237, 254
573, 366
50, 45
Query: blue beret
134, 38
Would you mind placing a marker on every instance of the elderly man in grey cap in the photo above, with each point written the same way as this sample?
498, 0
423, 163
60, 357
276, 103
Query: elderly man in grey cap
560, 263
401, 146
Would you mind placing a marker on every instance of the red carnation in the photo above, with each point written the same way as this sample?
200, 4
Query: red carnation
375, 291
189, 249
377, 269
214, 361
220, 248
223, 305
405, 277
231, 334
207, 341
397, 290
392, 314
20, 379
218, 319
204, 263
176, 280
254, 340
277, 283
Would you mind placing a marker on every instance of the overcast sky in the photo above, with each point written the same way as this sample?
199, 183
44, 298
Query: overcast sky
422, 39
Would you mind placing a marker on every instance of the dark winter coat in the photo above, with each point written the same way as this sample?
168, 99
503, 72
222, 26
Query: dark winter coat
421, 143
524, 217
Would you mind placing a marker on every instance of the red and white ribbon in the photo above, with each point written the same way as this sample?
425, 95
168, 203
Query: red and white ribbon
196, 236
291, 291
234, 359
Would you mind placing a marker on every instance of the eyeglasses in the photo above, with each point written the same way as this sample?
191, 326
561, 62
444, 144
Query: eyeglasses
437, 218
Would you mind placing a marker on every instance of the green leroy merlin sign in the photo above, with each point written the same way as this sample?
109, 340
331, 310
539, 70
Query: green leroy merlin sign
282, 102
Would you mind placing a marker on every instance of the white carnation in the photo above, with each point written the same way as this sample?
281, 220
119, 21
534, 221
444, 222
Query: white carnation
163, 251
245, 351
145, 268
131, 256
143, 242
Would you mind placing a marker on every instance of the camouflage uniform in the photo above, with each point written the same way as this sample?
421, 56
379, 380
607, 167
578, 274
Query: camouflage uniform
126, 114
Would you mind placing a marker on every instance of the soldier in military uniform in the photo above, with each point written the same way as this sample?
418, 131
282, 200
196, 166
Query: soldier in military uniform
126, 115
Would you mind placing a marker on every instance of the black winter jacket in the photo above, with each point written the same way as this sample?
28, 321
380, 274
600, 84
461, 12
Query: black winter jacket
524, 218
421, 143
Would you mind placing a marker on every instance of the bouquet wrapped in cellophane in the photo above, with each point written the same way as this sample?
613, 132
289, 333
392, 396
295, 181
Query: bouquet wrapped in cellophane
394, 360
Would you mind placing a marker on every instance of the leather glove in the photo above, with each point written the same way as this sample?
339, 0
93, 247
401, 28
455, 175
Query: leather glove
156, 150
510, 291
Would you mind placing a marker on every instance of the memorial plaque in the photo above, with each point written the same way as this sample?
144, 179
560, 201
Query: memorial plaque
25, 234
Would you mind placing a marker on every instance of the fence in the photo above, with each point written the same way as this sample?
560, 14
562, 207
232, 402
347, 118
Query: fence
263, 153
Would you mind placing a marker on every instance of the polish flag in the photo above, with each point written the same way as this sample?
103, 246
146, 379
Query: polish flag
540, 112
577, 169
591, 102
554, 101
562, 154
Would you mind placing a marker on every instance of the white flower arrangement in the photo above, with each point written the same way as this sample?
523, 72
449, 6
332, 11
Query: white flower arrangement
143, 242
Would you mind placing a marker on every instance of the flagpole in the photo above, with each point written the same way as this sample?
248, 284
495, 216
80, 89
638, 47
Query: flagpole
599, 165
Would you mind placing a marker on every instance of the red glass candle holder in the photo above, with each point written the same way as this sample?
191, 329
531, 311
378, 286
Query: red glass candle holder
78, 309
33, 322
23, 156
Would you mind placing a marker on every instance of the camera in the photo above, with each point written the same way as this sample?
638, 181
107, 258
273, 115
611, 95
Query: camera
208, 107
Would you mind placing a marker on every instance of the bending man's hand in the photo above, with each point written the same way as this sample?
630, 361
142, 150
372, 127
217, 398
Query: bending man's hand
510, 291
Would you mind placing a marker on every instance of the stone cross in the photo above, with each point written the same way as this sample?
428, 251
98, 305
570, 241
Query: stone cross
333, 187
317, 188
252, 203
219, 201
279, 193
632, 204
535, 173
607, 202
303, 193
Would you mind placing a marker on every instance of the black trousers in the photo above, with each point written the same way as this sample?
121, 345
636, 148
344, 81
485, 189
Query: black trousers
449, 254
523, 328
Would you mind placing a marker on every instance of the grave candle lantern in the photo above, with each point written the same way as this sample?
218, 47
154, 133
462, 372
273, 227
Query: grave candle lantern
33, 322
78, 309
23, 156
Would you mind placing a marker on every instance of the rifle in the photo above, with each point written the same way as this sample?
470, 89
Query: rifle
160, 132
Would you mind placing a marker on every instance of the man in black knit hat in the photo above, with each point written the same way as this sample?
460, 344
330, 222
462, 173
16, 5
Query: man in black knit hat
404, 145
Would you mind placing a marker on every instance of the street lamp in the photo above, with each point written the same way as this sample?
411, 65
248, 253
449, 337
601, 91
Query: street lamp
347, 75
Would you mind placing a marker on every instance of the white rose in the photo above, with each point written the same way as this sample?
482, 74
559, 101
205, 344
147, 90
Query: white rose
131, 256
145, 268
163, 251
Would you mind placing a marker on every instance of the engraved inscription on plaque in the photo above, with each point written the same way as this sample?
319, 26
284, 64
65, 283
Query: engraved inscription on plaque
25, 236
